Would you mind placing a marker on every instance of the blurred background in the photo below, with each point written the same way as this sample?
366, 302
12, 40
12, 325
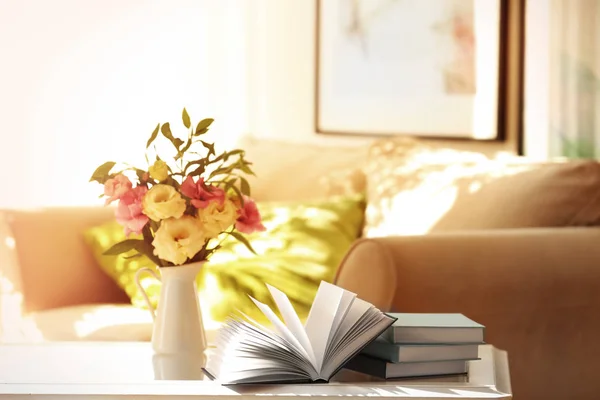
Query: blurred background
83, 82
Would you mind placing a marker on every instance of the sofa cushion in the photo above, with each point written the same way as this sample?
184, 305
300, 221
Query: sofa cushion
96, 322
303, 244
417, 189
288, 171
103, 322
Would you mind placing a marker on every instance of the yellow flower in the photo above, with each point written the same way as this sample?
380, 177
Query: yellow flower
162, 202
159, 170
176, 240
216, 218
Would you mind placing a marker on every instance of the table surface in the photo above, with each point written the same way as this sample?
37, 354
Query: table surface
115, 370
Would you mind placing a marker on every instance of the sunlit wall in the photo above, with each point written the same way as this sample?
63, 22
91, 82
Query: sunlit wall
83, 82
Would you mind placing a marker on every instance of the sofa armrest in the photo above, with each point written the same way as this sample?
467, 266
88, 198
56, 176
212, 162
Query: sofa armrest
537, 291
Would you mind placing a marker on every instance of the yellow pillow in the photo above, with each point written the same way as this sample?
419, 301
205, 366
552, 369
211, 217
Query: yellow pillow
303, 244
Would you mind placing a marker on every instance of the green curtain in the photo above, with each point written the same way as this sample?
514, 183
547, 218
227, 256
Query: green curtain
575, 78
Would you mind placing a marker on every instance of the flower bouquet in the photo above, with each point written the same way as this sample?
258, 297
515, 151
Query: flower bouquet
180, 205
180, 209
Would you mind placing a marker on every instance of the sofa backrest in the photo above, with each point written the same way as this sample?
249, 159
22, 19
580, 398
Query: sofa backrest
414, 189
287, 171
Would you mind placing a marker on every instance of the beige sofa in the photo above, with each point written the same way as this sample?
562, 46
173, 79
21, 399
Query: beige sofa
535, 288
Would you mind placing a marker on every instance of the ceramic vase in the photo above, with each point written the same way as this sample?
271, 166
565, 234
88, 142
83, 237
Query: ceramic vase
178, 367
178, 327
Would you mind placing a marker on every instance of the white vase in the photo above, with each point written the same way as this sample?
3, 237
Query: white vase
178, 367
178, 326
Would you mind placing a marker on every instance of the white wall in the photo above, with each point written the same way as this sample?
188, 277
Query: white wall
536, 108
83, 82
281, 50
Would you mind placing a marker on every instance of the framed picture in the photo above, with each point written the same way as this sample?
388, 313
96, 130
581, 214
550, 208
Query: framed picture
411, 67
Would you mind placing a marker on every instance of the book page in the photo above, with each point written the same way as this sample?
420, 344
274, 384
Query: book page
369, 325
292, 321
321, 319
342, 311
279, 326
245, 353
357, 312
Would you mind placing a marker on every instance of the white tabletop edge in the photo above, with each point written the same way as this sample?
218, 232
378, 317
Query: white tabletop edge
498, 387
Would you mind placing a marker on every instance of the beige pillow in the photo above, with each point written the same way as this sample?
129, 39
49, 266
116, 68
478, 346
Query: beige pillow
289, 171
55, 265
416, 189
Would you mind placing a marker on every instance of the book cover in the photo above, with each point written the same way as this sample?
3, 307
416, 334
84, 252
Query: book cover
386, 370
428, 328
396, 353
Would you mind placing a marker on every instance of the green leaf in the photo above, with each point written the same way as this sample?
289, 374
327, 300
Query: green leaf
242, 239
225, 155
181, 152
202, 254
166, 131
243, 165
202, 126
101, 174
147, 234
153, 135
215, 160
192, 163
177, 142
134, 244
198, 171
239, 194
136, 255
172, 182
185, 118
148, 250
244, 186
140, 174
210, 147
233, 153
221, 171
123, 247
154, 225
229, 184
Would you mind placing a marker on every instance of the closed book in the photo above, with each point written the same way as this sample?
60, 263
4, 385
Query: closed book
426, 328
396, 353
386, 370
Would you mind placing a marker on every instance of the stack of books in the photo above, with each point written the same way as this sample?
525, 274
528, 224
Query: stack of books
421, 345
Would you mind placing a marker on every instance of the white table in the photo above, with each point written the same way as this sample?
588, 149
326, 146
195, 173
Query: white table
121, 370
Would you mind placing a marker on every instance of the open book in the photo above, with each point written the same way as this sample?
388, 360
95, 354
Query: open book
338, 326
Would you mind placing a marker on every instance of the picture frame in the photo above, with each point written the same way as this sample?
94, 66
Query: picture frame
429, 68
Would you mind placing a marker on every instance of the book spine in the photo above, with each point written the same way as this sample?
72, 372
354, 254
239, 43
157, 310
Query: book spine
388, 353
368, 366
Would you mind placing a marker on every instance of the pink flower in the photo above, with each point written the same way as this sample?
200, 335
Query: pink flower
116, 187
129, 211
200, 193
249, 219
